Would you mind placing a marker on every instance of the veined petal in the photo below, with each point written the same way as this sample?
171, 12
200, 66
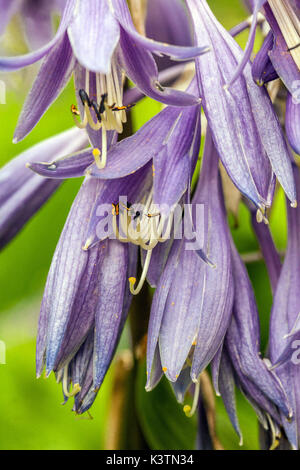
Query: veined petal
109, 311
69, 166
246, 133
242, 341
134, 152
68, 280
262, 68
281, 57
122, 13
37, 20
23, 204
14, 63
22, 193
284, 325
54, 74
94, 34
15, 173
167, 21
250, 43
141, 68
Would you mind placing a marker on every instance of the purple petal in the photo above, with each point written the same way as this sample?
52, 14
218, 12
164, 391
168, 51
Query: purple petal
94, 34
262, 67
281, 58
267, 246
54, 74
122, 13
141, 68
246, 132
242, 341
18, 62
109, 311
23, 204
70, 166
250, 43
292, 122
284, 325
167, 21
64, 294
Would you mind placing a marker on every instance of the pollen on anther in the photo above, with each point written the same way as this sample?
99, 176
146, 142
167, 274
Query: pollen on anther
164, 369
132, 280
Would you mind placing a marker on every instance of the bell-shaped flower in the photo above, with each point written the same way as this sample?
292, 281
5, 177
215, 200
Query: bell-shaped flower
97, 41
192, 304
246, 131
240, 362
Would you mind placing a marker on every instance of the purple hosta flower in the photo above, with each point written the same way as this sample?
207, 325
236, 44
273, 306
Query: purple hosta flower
284, 325
86, 301
192, 304
240, 362
170, 141
246, 131
97, 41
21, 192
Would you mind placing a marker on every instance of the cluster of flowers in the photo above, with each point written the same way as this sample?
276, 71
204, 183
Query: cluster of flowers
203, 310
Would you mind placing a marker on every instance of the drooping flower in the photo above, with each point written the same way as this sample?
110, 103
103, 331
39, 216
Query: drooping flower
97, 41
192, 304
239, 362
242, 131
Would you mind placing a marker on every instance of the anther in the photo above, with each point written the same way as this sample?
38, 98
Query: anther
84, 97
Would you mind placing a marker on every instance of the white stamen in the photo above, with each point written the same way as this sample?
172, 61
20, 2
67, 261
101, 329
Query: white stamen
76, 388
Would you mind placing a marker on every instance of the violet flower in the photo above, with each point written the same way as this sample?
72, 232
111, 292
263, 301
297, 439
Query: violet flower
242, 130
192, 304
109, 45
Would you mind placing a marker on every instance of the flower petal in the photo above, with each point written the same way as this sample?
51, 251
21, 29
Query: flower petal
141, 68
122, 13
94, 34
292, 122
247, 133
54, 74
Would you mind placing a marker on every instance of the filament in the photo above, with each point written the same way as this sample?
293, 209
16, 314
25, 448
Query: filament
190, 410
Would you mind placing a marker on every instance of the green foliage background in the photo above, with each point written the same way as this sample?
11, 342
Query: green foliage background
31, 415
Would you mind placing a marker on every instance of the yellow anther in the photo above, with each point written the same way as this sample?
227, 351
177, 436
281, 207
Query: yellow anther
164, 369
132, 280
187, 410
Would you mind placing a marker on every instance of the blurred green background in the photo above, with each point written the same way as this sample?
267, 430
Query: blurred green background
31, 415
